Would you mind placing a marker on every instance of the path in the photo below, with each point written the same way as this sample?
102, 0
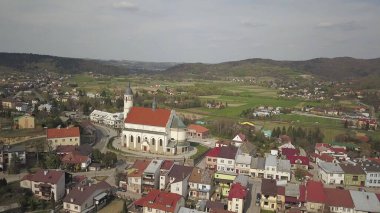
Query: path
312, 115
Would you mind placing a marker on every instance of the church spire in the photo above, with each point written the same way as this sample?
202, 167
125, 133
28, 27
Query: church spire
154, 104
128, 90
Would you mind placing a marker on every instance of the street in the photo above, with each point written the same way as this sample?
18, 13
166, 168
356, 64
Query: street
254, 188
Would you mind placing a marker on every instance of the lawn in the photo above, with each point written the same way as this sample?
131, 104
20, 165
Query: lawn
200, 150
115, 206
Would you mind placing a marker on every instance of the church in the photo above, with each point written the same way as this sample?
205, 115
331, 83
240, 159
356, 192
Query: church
152, 130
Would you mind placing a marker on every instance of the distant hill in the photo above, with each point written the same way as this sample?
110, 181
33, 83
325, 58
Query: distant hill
327, 68
23, 62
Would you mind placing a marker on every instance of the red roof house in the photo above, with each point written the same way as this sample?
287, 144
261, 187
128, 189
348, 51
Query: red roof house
148, 116
338, 198
315, 192
160, 200
289, 152
197, 131
237, 191
299, 161
63, 132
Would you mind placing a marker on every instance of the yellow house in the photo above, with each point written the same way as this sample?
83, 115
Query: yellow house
223, 182
268, 195
24, 122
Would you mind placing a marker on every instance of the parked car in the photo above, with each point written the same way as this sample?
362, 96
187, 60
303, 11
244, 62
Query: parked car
258, 197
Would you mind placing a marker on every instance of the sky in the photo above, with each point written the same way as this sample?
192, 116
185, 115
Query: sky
208, 31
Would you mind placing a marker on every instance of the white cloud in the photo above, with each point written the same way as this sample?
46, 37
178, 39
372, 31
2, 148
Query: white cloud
125, 5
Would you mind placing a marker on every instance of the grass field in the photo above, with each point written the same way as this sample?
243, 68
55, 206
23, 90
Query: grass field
115, 206
200, 150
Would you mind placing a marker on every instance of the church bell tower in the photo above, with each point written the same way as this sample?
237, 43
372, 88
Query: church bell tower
128, 100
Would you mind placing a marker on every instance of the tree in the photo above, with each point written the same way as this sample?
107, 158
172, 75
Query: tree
14, 164
52, 161
300, 174
109, 159
97, 155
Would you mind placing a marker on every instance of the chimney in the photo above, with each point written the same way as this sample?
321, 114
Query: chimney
199, 171
67, 190
71, 200
81, 189
46, 172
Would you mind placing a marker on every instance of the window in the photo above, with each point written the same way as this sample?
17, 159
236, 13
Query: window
208, 159
67, 205
160, 142
355, 178
168, 149
71, 139
265, 203
76, 207
153, 141
230, 162
149, 209
177, 189
76, 139
138, 139
214, 160
131, 138
222, 161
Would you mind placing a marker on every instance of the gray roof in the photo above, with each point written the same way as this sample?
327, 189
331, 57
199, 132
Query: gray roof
283, 165
128, 91
187, 210
244, 159
271, 160
177, 123
331, 167
242, 179
292, 190
365, 201
153, 166
258, 163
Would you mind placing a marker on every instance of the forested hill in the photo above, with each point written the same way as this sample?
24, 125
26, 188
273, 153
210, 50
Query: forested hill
327, 68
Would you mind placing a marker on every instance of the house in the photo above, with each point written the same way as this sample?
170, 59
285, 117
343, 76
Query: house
24, 122
372, 171
152, 130
315, 196
114, 120
223, 182
239, 139
277, 168
289, 152
257, 167
236, 197
63, 136
213, 206
243, 164
187, 210
365, 201
87, 198
248, 149
84, 149
226, 158
197, 131
339, 200
8, 151
211, 158
330, 173
286, 146
353, 175
201, 185
45, 184
325, 158
268, 199
76, 161
45, 107
164, 171
134, 176
299, 162
221, 143
160, 201
8, 104
179, 179
151, 175
295, 194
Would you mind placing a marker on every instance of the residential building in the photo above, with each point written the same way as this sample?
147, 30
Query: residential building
63, 136
353, 175
197, 131
339, 200
8, 151
372, 171
299, 162
187, 210
226, 158
211, 158
213, 206
87, 198
315, 196
159, 201
258, 167
201, 185
277, 168
365, 201
164, 171
134, 175
179, 179
243, 164
286, 152
295, 194
151, 176
239, 139
76, 161
331, 173
236, 197
152, 130
24, 122
114, 120
45, 184
223, 182
268, 199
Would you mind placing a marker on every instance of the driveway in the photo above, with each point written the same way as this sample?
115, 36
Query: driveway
254, 188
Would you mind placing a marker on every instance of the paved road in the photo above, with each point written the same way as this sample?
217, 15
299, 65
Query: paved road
103, 135
312, 115
254, 188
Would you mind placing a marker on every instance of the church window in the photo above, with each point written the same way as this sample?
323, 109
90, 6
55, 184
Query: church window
160, 142
131, 138
138, 139
153, 141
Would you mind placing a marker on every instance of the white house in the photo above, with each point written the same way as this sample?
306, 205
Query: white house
243, 164
179, 179
331, 173
226, 158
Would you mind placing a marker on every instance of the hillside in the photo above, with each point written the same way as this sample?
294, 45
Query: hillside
334, 68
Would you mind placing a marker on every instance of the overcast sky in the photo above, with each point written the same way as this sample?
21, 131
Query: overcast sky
192, 30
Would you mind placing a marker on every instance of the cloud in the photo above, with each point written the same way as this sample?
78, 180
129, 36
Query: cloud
344, 26
251, 24
125, 5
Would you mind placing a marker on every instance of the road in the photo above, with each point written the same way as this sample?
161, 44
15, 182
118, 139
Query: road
103, 135
254, 188
312, 115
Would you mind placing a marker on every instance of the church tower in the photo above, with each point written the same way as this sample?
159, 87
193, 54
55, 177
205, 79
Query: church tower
128, 100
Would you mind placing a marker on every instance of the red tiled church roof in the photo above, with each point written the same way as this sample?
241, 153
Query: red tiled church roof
63, 132
148, 116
